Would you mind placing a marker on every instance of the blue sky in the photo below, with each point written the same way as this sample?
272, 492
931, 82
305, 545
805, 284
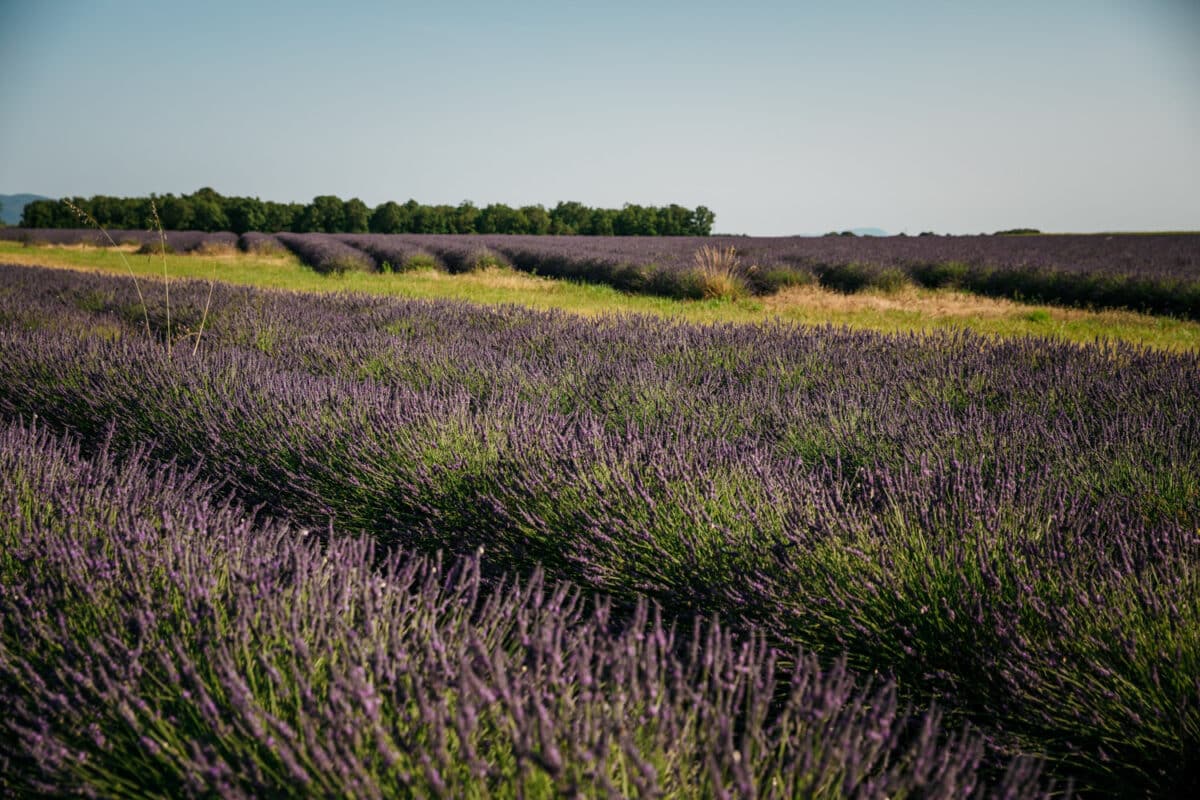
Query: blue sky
958, 117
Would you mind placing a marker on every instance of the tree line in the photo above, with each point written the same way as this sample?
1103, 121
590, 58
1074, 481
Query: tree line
208, 210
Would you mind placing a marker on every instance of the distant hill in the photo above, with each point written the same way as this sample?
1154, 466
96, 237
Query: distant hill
11, 206
849, 232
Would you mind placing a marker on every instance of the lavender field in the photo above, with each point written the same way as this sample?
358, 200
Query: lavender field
1156, 273
169, 642
942, 565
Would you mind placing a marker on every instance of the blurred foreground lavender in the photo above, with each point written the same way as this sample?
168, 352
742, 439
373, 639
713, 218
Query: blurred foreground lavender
157, 643
1008, 526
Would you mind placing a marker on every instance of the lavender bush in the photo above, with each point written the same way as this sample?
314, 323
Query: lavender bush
390, 252
456, 253
1007, 526
324, 253
156, 642
261, 243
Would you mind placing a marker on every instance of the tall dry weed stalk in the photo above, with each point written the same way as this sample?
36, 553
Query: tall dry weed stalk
212, 282
90, 220
162, 241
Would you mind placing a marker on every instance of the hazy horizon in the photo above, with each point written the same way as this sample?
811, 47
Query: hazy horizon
781, 118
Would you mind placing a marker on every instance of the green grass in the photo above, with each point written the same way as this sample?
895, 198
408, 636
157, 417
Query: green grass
905, 310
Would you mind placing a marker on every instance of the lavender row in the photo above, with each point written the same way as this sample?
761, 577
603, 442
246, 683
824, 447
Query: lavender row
392, 254
452, 253
261, 243
325, 253
159, 643
150, 240
320, 251
1008, 525
76, 236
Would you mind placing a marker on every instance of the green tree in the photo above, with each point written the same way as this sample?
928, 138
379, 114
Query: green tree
40, 214
108, 211
569, 217
246, 214
466, 217
176, 213
602, 222
499, 218
356, 217
387, 218
280, 216
537, 219
408, 220
432, 219
702, 221
139, 212
675, 220
208, 210
325, 214
635, 220
209, 216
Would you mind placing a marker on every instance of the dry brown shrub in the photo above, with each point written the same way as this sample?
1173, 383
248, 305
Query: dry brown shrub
718, 273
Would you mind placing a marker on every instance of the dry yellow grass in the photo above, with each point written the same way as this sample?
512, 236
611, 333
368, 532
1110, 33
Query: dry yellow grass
84, 247
214, 250
495, 278
941, 303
